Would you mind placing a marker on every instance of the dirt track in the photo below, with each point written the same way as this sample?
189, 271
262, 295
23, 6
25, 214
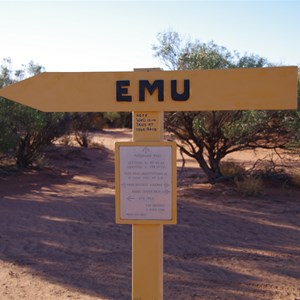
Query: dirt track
58, 239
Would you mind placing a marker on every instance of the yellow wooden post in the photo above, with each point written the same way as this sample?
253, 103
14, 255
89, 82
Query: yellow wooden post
147, 240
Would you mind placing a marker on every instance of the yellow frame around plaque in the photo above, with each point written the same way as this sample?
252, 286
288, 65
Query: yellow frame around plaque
173, 219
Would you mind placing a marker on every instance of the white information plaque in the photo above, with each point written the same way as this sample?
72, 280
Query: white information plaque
145, 181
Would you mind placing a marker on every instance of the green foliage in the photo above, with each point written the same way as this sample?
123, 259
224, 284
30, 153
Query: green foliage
169, 49
25, 131
178, 54
118, 119
112, 116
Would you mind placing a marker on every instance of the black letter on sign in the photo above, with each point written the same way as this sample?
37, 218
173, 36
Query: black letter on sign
157, 84
122, 90
183, 96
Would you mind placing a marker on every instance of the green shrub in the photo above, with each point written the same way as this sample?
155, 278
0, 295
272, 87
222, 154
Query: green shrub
25, 131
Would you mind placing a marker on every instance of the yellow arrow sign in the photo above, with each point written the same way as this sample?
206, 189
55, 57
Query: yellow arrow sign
229, 89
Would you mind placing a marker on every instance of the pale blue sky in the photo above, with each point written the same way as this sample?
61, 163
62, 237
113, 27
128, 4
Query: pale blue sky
118, 35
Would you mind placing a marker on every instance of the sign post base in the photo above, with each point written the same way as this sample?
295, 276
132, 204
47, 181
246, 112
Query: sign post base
147, 262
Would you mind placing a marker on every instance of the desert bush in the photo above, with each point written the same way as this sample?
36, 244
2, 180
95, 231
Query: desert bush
65, 140
97, 144
295, 179
249, 186
25, 131
231, 169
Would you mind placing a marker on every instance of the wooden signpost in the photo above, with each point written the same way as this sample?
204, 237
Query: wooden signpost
228, 89
146, 168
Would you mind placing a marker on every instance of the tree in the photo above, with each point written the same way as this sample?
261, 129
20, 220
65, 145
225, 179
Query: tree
209, 136
82, 123
25, 131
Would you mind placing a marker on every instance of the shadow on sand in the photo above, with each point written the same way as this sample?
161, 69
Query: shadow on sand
60, 224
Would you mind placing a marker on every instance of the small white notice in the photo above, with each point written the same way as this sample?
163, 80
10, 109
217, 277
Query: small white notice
145, 182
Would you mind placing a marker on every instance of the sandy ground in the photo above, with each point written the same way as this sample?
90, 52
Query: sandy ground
58, 238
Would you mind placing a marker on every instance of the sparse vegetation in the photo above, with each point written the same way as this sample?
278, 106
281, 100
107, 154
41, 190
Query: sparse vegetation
231, 169
249, 186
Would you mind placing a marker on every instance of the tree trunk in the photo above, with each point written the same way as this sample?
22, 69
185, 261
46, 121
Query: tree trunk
211, 174
23, 153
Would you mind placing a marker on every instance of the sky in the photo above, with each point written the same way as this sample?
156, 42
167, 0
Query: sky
81, 36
